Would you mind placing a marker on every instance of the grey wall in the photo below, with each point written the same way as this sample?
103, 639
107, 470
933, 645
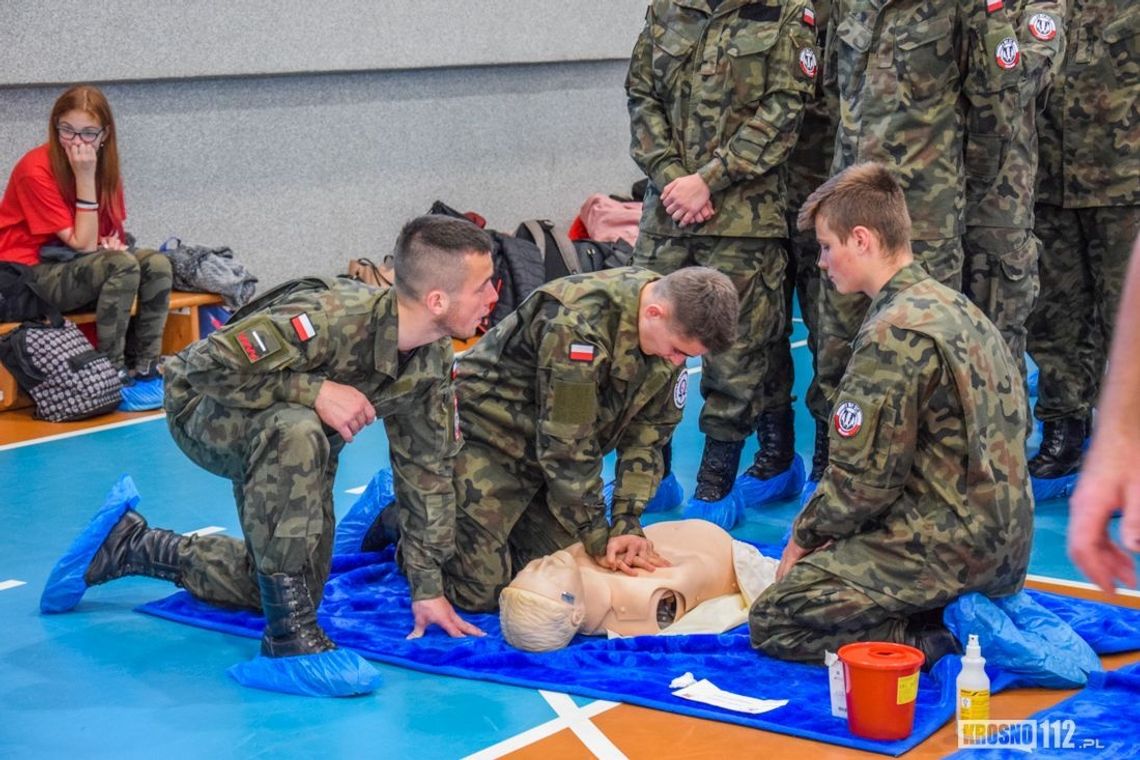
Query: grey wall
301, 134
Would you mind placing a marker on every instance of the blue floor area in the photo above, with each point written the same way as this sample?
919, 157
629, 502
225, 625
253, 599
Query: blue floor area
104, 681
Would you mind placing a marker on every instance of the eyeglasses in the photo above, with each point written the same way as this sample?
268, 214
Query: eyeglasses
86, 135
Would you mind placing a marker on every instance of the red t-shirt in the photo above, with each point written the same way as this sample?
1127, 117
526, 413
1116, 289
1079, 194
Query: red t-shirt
33, 210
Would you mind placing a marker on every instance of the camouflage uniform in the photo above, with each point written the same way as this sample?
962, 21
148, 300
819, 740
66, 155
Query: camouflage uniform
1000, 270
543, 396
1088, 196
720, 93
905, 73
240, 404
927, 495
807, 168
111, 280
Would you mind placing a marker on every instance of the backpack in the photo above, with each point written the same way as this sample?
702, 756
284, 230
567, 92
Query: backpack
573, 256
20, 299
66, 378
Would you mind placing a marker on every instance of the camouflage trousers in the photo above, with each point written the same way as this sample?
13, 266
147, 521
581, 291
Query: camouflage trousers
841, 316
1000, 276
1084, 256
502, 522
282, 464
810, 611
733, 381
110, 280
802, 280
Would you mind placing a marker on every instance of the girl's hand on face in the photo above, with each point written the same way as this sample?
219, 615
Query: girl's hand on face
83, 158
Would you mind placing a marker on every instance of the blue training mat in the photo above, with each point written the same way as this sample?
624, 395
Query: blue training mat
367, 607
1098, 721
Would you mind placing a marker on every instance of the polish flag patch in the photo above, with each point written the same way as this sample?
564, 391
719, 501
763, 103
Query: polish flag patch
303, 326
581, 352
993, 6
809, 17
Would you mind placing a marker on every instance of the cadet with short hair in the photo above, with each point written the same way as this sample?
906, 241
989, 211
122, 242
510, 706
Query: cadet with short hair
269, 401
716, 93
926, 496
1088, 214
588, 364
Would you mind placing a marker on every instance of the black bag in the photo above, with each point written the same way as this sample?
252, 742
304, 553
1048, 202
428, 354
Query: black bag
562, 256
64, 375
20, 299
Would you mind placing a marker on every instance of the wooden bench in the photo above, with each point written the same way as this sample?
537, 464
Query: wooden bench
182, 329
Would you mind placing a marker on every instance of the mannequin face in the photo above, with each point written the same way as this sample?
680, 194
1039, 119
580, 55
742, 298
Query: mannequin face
646, 603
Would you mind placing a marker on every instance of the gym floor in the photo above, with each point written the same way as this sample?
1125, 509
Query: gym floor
105, 681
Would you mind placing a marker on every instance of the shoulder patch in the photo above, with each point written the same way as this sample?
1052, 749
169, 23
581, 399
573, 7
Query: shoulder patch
1008, 54
681, 389
303, 326
758, 12
993, 6
809, 17
1043, 26
258, 341
848, 419
808, 63
581, 352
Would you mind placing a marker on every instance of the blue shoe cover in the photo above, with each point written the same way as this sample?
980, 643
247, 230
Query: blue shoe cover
142, 396
726, 513
1047, 489
1031, 382
669, 495
336, 673
754, 492
352, 529
65, 585
808, 490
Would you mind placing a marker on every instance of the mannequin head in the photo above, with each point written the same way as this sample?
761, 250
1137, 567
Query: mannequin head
567, 592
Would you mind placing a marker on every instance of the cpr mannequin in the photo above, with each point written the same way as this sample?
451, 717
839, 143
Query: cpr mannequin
708, 588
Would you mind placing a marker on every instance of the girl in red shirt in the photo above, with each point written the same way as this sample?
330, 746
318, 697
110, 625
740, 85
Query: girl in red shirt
62, 214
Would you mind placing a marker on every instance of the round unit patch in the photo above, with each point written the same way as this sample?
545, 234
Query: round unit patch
1008, 54
848, 419
1043, 27
681, 389
808, 64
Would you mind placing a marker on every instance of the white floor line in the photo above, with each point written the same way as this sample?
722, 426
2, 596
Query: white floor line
596, 742
84, 431
1078, 584
209, 530
799, 344
797, 319
549, 728
356, 491
5, 585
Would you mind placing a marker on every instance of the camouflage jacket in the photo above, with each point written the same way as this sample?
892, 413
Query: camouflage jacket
720, 93
927, 492
1090, 142
1001, 126
905, 72
561, 382
809, 164
283, 345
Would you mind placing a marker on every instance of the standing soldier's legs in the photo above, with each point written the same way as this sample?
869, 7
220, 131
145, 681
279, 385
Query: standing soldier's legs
1000, 276
1112, 231
1062, 340
732, 380
144, 337
775, 425
492, 491
107, 279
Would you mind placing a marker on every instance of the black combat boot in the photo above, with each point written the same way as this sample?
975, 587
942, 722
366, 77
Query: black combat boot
718, 469
819, 458
291, 627
776, 432
1062, 444
931, 638
131, 548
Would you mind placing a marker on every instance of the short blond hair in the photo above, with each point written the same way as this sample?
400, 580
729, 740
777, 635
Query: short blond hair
863, 195
535, 623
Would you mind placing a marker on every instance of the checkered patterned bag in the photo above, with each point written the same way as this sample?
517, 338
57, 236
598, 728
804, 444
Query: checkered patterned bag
64, 375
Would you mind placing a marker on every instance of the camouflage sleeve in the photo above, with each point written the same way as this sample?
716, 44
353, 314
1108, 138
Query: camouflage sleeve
764, 141
652, 147
874, 429
423, 439
566, 445
268, 357
1041, 33
639, 457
